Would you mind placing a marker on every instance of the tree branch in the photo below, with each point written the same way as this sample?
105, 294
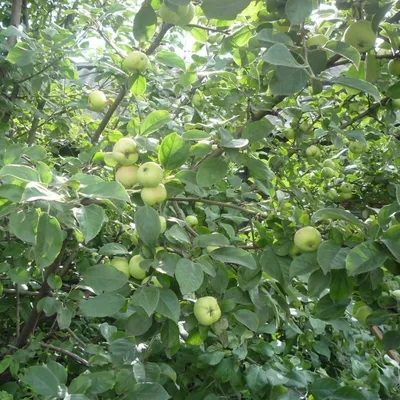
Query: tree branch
80, 360
15, 20
207, 28
21, 292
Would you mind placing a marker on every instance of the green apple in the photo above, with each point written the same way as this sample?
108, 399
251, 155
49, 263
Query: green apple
134, 267
188, 17
153, 195
191, 220
172, 16
357, 305
150, 175
396, 294
215, 38
313, 151
394, 67
290, 134
97, 100
307, 239
360, 35
197, 100
332, 194
362, 314
346, 188
124, 151
163, 224
136, 62
317, 40
121, 264
327, 172
356, 147
212, 248
135, 238
345, 196
294, 251
127, 176
207, 311
329, 163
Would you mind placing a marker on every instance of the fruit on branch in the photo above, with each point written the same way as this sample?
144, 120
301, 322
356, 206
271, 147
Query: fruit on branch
290, 134
332, 194
360, 35
362, 314
177, 15
329, 163
394, 67
215, 38
294, 251
313, 151
150, 175
327, 172
197, 100
396, 294
124, 151
357, 147
127, 176
134, 267
307, 239
154, 195
121, 264
316, 40
207, 311
163, 224
346, 188
191, 220
97, 101
136, 61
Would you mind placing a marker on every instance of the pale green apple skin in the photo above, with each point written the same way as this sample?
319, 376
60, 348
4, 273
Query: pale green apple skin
396, 293
327, 172
127, 176
329, 164
360, 35
191, 220
362, 314
356, 147
170, 16
313, 151
153, 195
307, 239
332, 194
136, 61
187, 19
134, 267
121, 264
317, 40
125, 152
150, 175
346, 188
163, 224
207, 311
394, 67
97, 101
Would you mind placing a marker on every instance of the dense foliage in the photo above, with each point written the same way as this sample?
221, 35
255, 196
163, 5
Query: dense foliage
266, 117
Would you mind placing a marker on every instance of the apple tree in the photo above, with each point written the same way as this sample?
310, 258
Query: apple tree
199, 200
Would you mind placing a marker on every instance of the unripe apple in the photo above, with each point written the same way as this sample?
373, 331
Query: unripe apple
134, 267
197, 100
121, 264
396, 294
313, 151
362, 314
307, 239
127, 176
294, 251
316, 40
191, 220
345, 196
332, 194
163, 224
394, 67
136, 62
124, 151
327, 172
153, 195
207, 311
97, 100
346, 188
356, 147
215, 38
172, 16
150, 175
290, 134
360, 35
188, 17
329, 164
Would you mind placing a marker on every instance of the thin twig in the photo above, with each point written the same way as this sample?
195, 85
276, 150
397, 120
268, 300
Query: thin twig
80, 360
111, 44
79, 341
180, 214
207, 28
20, 292
18, 312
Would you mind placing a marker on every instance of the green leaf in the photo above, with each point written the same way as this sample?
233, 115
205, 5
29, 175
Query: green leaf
278, 54
358, 84
365, 257
276, 267
391, 340
148, 225
153, 391
260, 170
105, 305
171, 60
234, 255
347, 393
154, 121
327, 309
331, 256
168, 305
11, 192
64, 317
211, 172
24, 225
42, 380
189, 276
20, 172
170, 337
147, 298
298, 10
225, 370
224, 9
287, 81
303, 264
341, 286
113, 249
138, 323
137, 84
345, 50
104, 278
173, 152
257, 131
248, 319
195, 134
49, 241
322, 388
105, 191
35, 191
144, 23
391, 239
210, 240
271, 36
393, 91
90, 220
21, 57
336, 213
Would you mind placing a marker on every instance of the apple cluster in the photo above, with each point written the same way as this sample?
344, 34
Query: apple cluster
177, 15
